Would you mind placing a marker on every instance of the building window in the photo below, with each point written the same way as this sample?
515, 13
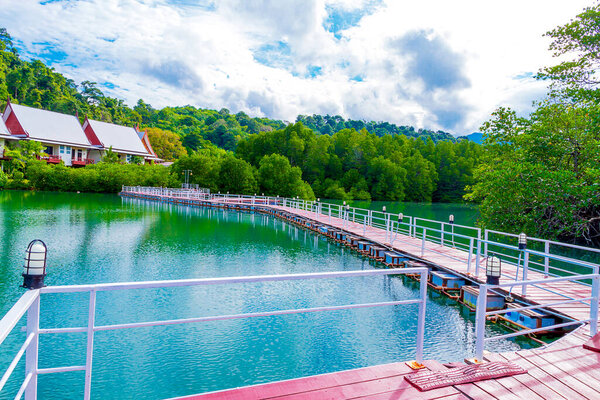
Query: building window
65, 149
49, 150
128, 158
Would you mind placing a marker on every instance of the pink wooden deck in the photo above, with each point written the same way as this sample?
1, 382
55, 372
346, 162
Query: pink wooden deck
564, 370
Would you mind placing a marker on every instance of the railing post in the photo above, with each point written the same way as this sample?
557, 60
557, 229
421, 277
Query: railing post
477, 258
485, 245
594, 303
470, 255
421, 320
546, 259
387, 227
442, 235
90, 345
525, 268
31, 354
480, 322
423, 242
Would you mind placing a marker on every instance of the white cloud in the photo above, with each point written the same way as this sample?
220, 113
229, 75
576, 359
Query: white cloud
207, 54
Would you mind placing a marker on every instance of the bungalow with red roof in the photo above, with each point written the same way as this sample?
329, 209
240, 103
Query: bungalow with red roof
123, 140
60, 134
143, 135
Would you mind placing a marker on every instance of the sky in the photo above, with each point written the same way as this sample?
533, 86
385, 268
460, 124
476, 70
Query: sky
433, 64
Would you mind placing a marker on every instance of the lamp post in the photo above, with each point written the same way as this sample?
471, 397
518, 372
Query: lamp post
522, 241
187, 173
493, 270
522, 247
35, 265
347, 214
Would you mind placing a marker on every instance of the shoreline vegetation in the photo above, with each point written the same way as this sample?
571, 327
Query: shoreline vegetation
538, 174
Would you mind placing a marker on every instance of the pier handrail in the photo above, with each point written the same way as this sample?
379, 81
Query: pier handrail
471, 242
29, 304
482, 313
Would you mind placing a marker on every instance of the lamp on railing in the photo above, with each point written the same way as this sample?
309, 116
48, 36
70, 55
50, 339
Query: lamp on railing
522, 241
318, 199
400, 217
35, 265
384, 208
493, 269
344, 203
451, 219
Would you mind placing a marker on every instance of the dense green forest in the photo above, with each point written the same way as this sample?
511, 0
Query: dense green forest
354, 164
541, 174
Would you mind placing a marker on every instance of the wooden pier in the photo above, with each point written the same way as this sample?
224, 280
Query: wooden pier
562, 370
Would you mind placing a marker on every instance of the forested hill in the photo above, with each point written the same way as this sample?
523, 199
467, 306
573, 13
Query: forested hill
328, 125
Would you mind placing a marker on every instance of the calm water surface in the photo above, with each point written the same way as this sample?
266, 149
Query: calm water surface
103, 238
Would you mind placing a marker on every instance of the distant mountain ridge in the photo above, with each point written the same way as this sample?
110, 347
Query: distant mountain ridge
476, 137
330, 124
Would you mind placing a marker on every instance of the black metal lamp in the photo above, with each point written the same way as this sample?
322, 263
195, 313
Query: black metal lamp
400, 217
451, 219
384, 208
35, 265
522, 241
493, 270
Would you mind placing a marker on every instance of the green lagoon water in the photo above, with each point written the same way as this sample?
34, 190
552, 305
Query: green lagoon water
104, 238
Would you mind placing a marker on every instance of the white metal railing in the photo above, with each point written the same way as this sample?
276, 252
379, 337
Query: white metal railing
29, 304
482, 313
435, 236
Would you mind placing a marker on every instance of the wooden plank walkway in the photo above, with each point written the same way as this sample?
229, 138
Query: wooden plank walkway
456, 261
562, 370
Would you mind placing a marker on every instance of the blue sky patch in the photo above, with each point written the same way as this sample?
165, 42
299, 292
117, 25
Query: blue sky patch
357, 78
524, 75
313, 71
339, 18
276, 55
206, 5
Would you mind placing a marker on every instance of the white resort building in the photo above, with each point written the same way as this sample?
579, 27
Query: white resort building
64, 139
4, 137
